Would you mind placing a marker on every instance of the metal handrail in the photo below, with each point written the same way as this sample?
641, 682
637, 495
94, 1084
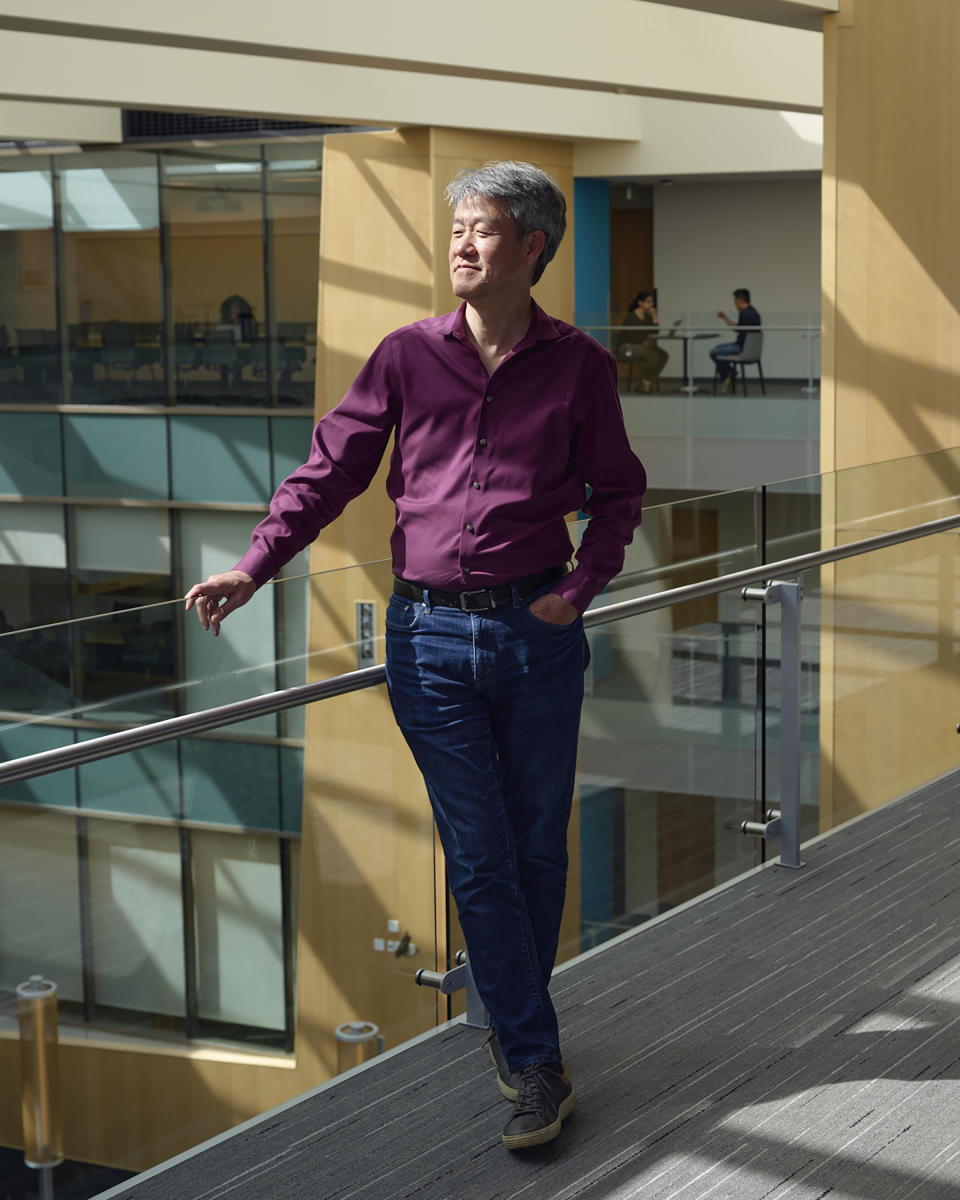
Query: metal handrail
662, 331
62, 757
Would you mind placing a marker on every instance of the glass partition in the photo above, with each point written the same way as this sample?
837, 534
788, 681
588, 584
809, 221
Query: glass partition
113, 290
669, 743
29, 343
161, 276
247, 889
213, 204
292, 179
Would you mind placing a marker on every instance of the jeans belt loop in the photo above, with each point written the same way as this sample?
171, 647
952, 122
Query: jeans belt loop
426, 601
515, 592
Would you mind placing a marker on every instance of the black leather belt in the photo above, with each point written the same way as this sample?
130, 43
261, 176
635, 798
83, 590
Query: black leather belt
485, 597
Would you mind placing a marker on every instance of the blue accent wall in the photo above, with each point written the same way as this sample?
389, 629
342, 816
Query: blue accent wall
591, 247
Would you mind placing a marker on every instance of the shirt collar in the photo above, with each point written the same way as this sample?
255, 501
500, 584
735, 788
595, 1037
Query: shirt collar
542, 328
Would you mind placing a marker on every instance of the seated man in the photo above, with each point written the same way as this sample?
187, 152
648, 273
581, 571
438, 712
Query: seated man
644, 352
748, 315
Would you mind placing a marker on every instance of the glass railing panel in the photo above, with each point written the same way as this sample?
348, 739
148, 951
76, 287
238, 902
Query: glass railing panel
666, 770
805, 515
72, 681
171, 875
40, 920
691, 433
789, 352
890, 649
808, 513
669, 737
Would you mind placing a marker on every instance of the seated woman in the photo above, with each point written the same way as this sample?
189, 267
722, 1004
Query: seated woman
642, 353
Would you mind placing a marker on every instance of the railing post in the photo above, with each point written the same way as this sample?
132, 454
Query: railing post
791, 597
811, 334
357, 1042
40, 1079
785, 824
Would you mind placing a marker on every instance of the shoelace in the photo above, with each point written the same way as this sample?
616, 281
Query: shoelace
530, 1096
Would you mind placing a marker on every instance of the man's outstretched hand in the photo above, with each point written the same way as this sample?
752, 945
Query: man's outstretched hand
219, 596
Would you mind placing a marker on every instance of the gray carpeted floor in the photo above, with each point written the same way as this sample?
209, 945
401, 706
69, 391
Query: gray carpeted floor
796, 1035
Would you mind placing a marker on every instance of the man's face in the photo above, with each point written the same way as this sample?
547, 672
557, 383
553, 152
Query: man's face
487, 258
739, 302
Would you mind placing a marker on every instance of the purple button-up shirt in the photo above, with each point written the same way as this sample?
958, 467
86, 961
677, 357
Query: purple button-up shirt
484, 468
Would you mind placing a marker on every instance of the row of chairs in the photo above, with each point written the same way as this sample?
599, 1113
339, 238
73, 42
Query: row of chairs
127, 347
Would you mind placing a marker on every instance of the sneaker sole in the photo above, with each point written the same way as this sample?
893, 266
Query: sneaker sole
508, 1092
537, 1137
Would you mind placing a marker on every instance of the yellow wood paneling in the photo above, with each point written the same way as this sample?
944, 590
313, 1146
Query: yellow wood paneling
891, 370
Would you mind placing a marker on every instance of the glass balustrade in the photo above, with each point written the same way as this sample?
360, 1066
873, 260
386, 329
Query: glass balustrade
692, 435
246, 889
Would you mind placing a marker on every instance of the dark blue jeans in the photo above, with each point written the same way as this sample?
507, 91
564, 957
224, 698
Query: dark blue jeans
724, 369
489, 703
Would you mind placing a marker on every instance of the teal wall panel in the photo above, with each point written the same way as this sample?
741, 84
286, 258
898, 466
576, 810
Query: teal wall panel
116, 457
220, 460
30, 460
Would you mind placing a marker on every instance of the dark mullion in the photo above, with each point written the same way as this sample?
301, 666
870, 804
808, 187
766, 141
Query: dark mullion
188, 900
87, 964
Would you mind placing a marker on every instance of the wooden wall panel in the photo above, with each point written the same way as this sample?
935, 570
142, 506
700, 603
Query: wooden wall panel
890, 390
631, 257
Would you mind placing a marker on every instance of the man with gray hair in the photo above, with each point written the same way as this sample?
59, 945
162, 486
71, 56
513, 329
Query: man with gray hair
504, 420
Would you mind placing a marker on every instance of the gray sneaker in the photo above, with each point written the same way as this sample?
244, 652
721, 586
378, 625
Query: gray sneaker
545, 1097
506, 1082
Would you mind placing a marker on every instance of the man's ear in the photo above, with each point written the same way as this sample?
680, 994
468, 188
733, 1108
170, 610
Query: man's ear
534, 243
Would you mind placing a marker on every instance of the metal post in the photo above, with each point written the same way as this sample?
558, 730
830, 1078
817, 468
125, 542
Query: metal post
810, 389
785, 824
689, 386
357, 1042
40, 1079
790, 595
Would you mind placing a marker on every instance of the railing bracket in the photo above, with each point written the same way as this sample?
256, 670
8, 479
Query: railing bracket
448, 982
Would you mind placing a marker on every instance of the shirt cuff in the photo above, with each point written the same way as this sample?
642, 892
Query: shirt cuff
256, 566
578, 588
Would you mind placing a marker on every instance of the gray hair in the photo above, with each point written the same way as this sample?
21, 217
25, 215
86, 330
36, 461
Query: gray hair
521, 191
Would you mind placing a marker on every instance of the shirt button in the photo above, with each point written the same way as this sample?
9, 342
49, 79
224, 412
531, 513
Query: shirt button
476, 483
469, 528
489, 399
466, 570
483, 441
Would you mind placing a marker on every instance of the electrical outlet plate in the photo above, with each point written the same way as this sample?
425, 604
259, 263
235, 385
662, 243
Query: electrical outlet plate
366, 633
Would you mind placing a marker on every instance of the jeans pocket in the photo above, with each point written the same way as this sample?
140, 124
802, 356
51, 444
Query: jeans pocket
402, 614
549, 625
